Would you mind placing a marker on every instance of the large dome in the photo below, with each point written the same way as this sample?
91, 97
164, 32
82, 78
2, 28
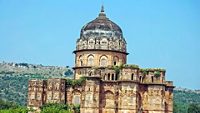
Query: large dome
101, 33
102, 25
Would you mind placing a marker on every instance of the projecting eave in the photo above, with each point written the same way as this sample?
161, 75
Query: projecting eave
99, 50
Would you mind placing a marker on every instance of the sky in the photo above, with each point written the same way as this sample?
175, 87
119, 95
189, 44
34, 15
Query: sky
159, 33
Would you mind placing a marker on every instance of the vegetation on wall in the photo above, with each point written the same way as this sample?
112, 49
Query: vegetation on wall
117, 69
157, 74
130, 66
72, 82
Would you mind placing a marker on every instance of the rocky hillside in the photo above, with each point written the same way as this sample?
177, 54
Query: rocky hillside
14, 78
31, 69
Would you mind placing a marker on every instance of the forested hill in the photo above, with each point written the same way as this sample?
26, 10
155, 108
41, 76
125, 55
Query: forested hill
14, 78
183, 95
186, 98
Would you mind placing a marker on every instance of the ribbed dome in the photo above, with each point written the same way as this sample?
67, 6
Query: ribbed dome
100, 24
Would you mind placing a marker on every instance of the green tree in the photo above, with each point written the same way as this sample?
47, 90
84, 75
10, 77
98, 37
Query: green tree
55, 108
194, 108
15, 110
76, 108
7, 105
180, 108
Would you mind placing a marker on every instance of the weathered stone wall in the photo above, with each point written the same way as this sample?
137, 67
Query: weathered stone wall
169, 99
36, 93
127, 101
153, 99
150, 77
129, 74
105, 96
55, 91
109, 97
91, 96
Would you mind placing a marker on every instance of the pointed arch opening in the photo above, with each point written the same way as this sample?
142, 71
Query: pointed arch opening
115, 60
132, 76
80, 60
90, 60
113, 77
103, 61
108, 76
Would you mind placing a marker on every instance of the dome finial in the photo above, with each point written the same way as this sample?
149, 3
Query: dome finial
102, 13
102, 8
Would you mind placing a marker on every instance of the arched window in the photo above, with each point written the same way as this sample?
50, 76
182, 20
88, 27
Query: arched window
79, 72
152, 79
90, 74
115, 63
132, 76
91, 44
116, 77
113, 77
141, 80
109, 99
115, 60
104, 43
90, 60
105, 77
91, 41
108, 76
76, 99
103, 61
81, 60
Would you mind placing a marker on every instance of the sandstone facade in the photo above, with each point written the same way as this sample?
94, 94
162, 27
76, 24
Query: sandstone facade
111, 85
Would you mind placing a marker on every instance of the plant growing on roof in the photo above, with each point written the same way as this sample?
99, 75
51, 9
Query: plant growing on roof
157, 74
144, 71
117, 69
134, 66
78, 82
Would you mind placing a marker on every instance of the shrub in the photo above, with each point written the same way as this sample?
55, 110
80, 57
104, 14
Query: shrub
78, 82
55, 108
157, 74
